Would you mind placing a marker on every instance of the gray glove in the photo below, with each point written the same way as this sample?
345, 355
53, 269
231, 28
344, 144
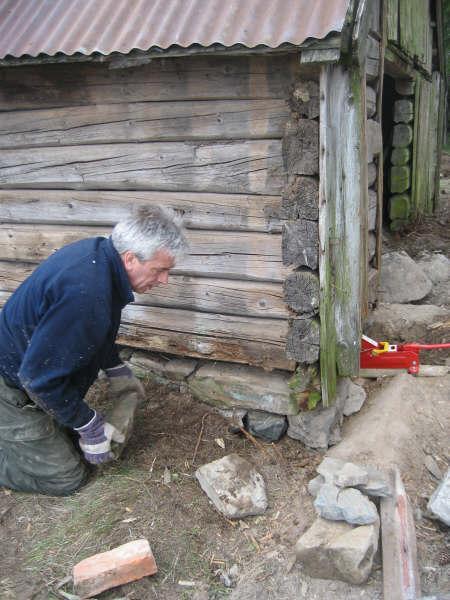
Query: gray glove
126, 392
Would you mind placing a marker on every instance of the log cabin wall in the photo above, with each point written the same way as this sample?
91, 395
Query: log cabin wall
82, 144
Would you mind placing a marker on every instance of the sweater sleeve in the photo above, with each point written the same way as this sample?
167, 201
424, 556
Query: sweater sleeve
69, 334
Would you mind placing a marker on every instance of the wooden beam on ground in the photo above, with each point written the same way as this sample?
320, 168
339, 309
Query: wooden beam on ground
401, 579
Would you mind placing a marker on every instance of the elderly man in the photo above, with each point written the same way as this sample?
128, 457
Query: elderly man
56, 332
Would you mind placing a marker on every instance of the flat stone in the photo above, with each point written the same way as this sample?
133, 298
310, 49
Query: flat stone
315, 428
439, 503
356, 508
336, 550
179, 369
315, 484
353, 395
266, 425
233, 485
351, 475
402, 280
227, 385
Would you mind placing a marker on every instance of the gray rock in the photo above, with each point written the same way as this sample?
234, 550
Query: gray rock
329, 467
378, 484
266, 425
433, 467
353, 395
336, 550
439, 503
402, 280
235, 488
356, 508
315, 484
439, 295
404, 322
351, 475
316, 428
436, 266
235, 416
326, 502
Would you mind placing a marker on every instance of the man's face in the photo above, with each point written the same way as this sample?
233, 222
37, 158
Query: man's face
148, 273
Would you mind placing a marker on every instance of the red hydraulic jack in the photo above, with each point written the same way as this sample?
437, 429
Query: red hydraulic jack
385, 356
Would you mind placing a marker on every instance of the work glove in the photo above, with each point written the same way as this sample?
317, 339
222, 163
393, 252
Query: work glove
126, 392
95, 439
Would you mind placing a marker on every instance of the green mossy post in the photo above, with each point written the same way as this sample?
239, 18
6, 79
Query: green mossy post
400, 179
399, 207
400, 156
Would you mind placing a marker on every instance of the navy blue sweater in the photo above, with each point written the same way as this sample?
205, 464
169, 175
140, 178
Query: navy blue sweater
59, 327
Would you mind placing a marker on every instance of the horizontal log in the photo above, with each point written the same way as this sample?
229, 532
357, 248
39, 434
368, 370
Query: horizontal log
301, 292
144, 121
304, 99
301, 147
224, 296
216, 337
233, 167
301, 199
106, 208
193, 78
300, 245
231, 255
303, 341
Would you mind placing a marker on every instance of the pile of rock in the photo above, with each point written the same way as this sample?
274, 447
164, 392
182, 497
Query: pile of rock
342, 542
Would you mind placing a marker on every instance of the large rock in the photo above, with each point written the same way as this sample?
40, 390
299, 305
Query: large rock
436, 266
317, 428
353, 396
347, 504
439, 503
340, 472
404, 322
336, 550
227, 385
402, 280
266, 425
235, 488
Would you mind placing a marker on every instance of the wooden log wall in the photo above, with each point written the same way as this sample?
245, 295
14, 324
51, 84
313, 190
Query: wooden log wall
82, 145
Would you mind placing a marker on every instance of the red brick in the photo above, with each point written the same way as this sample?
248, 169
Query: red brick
121, 565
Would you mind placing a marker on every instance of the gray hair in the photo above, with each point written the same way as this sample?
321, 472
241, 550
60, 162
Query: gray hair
149, 229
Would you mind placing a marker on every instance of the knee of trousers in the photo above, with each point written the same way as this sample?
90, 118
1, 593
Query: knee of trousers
67, 484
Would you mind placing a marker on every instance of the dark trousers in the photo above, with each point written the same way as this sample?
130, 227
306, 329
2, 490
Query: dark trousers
36, 454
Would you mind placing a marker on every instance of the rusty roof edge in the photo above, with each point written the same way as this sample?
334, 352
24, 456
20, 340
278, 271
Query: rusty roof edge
137, 57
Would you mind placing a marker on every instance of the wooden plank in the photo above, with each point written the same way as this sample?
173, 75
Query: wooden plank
234, 167
421, 196
257, 342
392, 7
401, 580
191, 78
249, 256
415, 31
224, 296
233, 212
342, 222
144, 121
218, 337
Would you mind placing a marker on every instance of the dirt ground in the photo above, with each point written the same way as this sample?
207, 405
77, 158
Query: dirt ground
152, 492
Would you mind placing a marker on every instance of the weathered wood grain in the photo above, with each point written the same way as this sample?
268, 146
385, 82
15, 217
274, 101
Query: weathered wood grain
301, 147
415, 31
303, 341
391, 7
233, 212
300, 243
218, 337
374, 139
304, 99
300, 199
251, 256
301, 292
343, 224
144, 121
224, 296
403, 111
233, 167
190, 78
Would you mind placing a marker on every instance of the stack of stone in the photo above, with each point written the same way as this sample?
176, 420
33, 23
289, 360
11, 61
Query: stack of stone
342, 542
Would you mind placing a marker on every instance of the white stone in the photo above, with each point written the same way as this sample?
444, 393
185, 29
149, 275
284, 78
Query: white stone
356, 508
326, 503
336, 550
402, 280
353, 395
315, 484
233, 485
351, 475
436, 266
329, 467
439, 503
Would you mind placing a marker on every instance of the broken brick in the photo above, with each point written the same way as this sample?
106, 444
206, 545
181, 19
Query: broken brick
106, 570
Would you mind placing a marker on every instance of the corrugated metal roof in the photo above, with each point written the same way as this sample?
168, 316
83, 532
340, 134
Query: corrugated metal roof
34, 27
